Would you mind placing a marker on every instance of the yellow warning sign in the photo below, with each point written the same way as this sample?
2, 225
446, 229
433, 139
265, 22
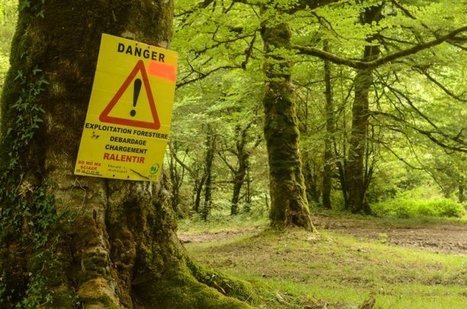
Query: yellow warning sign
129, 113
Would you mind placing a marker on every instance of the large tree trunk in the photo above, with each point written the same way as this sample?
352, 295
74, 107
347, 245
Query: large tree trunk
70, 241
289, 205
358, 140
328, 168
356, 175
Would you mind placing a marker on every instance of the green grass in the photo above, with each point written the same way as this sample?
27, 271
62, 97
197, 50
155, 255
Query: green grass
296, 269
404, 207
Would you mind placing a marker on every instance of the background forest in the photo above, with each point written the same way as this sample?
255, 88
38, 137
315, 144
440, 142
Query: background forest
360, 104
382, 131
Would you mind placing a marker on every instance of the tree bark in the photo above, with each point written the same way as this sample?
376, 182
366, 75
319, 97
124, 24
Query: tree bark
358, 140
330, 130
208, 161
461, 189
356, 175
176, 175
197, 191
311, 177
289, 206
239, 173
70, 241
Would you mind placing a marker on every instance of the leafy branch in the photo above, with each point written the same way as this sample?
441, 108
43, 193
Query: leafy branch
359, 64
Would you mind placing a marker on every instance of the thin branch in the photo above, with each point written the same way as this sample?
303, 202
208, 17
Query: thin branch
203, 75
224, 158
174, 155
440, 85
429, 134
403, 9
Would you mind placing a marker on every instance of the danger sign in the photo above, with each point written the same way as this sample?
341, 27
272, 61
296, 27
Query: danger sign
129, 113
137, 83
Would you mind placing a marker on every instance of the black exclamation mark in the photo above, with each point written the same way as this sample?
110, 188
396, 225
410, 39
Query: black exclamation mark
137, 89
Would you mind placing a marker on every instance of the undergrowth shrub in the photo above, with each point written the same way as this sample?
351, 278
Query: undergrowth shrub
409, 208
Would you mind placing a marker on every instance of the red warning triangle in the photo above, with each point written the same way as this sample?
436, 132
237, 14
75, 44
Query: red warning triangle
155, 124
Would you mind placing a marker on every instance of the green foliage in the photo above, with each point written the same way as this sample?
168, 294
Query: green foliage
35, 6
403, 207
26, 123
27, 213
8, 12
37, 294
222, 81
28, 216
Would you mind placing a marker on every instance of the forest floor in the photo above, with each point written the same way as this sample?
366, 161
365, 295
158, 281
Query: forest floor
433, 235
396, 263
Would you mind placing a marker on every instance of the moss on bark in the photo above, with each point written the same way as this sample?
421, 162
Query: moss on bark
359, 169
289, 206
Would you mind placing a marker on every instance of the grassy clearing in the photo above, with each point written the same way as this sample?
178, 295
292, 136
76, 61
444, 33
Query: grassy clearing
302, 270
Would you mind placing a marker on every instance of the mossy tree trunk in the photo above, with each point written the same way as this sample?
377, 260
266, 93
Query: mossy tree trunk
239, 172
211, 141
357, 176
70, 241
311, 176
461, 190
242, 152
289, 206
238, 180
328, 168
176, 175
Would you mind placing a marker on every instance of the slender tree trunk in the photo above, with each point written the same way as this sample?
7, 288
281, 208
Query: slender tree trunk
239, 179
356, 176
176, 175
243, 157
311, 180
330, 130
209, 159
198, 181
70, 241
289, 206
247, 207
461, 187
198, 190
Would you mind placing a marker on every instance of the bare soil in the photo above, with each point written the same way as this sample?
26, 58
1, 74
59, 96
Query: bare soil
436, 237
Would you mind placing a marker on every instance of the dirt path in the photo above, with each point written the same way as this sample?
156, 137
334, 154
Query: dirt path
446, 237
220, 235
